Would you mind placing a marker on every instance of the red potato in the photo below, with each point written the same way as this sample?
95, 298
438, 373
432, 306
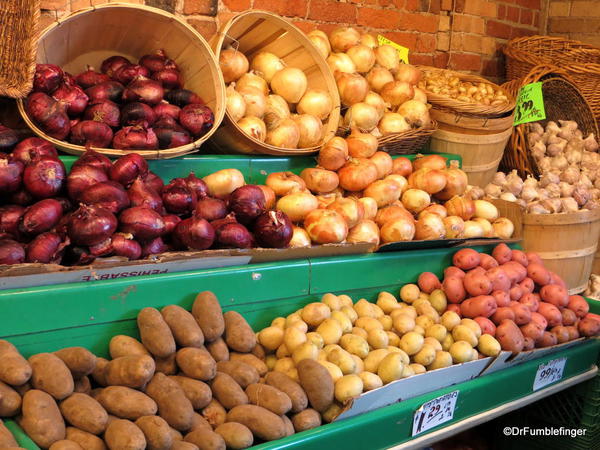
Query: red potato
534, 258
466, 259
499, 279
476, 271
555, 294
522, 314
548, 339
486, 325
561, 333
520, 257
502, 253
428, 282
502, 298
477, 283
589, 326
454, 308
555, 279
530, 300
515, 293
527, 285
539, 319
551, 313
568, 317
578, 305
532, 330
509, 336
515, 271
503, 313
487, 261
453, 271
482, 305
573, 332
538, 273
528, 344
454, 289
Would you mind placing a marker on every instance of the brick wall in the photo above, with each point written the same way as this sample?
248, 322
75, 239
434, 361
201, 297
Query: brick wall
575, 19
464, 35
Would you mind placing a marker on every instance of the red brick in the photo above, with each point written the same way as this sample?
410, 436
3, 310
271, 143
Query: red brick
420, 22
383, 3
205, 7
441, 60
512, 13
207, 28
446, 5
532, 4
465, 61
498, 29
424, 5
536, 19
469, 24
459, 6
304, 26
425, 43
526, 17
328, 11
435, 6
377, 18
224, 17
297, 8
493, 68
420, 59
405, 39
501, 12
53, 4
237, 5
327, 27
410, 5
520, 32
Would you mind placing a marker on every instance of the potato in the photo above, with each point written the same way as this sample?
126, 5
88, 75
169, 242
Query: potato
263, 423
343, 360
347, 387
235, 435
226, 390
167, 365
306, 420
198, 421
411, 342
403, 323
197, 392
182, 445
464, 333
293, 338
316, 339
317, 383
370, 381
196, 363
454, 289
269, 397
432, 342
346, 300
284, 365
334, 371
488, 345
568, 317
578, 305
218, 349
551, 313
436, 331
356, 345
294, 391
548, 339
365, 309
65, 444
80, 361
209, 315
173, 405
86, 441
271, 337
426, 355
449, 320
295, 320
123, 434
390, 368
466, 259
538, 273
99, 373
374, 358
350, 313
305, 351
315, 313
183, 326
561, 333
155, 334
205, 439
126, 403
14, 370
156, 432
252, 360
482, 305
502, 253
555, 294
122, 345
588, 326
509, 336
330, 330
10, 401
41, 418
85, 413
461, 352
532, 330
387, 302
409, 293
342, 319
438, 300
238, 334
442, 359
7, 440
486, 325
133, 371
214, 413
573, 332
51, 375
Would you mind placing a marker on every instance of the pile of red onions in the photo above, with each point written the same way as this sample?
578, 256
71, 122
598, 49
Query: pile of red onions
116, 107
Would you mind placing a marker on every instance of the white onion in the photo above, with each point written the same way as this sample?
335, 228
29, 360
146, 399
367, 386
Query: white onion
488, 230
397, 92
343, 38
415, 200
316, 102
266, 64
375, 100
290, 83
364, 231
352, 87
341, 62
276, 110
393, 123
387, 57
286, 135
455, 227
256, 101
503, 228
415, 113
297, 205
321, 41
300, 238
408, 73
254, 127
370, 207
473, 230
311, 130
361, 116
250, 79
236, 106
223, 182
430, 226
233, 64
369, 40
420, 95
362, 56
379, 77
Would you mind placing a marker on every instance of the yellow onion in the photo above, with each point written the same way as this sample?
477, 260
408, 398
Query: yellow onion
233, 64
428, 180
300, 238
223, 182
399, 180
340, 62
350, 209
322, 44
402, 166
461, 207
320, 181
387, 57
269, 196
434, 208
397, 230
357, 174
325, 226
321, 34
334, 154
455, 227
236, 106
276, 110
361, 145
343, 38
430, 227
326, 199
415, 200
311, 130
473, 230
408, 73
397, 92
415, 113
369, 206
377, 102
430, 161
503, 228
352, 87
361, 116
297, 205
392, 123
285, 135
420, 95
384, 163
392, 212
364, 231
256, 101
284, 183
456, 182
254, 127
362, 56
369, 40
486, 210
384, 192
316, 102
378, 77
290, 83
488, 229
266, 64
253, 80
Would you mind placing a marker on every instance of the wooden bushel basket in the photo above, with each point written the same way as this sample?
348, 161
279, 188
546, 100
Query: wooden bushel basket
252, 32
91, 35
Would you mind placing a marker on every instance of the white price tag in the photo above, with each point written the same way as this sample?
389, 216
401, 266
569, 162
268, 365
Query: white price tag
434, 413
549, 372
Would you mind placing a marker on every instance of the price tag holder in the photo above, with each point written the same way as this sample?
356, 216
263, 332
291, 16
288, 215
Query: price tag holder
434, 413
549, 373
402, 51
530, 104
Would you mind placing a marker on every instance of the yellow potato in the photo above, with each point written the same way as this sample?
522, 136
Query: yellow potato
390, 368
270, 361
450, 319
411, 342
374, 358
293, 374
332, 301
377, 339
436, 331
461, 352
271, 337
393, 339
346, 300
403, 323
315, 313
368, 323
423, 296
429, 311
360, 365
347, 387
278, 322
419, 303
308, 350
330, 330
370, 381
377, 310
419, 330
365, 309
355, 345
316, 339
331, 413
294, 317
328, 348
418, 368
284, 364
438, 300
407, 371
387, 302
343, 320
405, 309
447, 342
322, 356
425, 356
387, 322
300, 324
474, 326
293, 338
409, 293
424, 321
349, 311
343, 360
432, 342
488, 345
442, 359
360, 332
334, 371
464, 333
282, 351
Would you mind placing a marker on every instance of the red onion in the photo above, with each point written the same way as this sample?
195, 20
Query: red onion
95, 159
74, 122
143, 223
104, 248
183, 97
8, 139
166, 109
81, 178
234, 235
170, 138
46, 248
140, 194
11, 252
90, 225
155, 182
247, 202
30, 148
108, 195
154, 247
194, 233
178, 198
91, 78
68, 78
144, 90
273, 229
157, 61
11, 174
66, 204
197, 185
129, 72
41, 216
229, 218
73, 97
10, 216
125, 245
167, 122
44, 177
90, 132
49, 114
77, 256
47, 78
210, 209
137, 137
134, 113
103, 111
169, 78
62, 225
109, 90
197, 119
21, 197
127, 168
171, 221
111, 65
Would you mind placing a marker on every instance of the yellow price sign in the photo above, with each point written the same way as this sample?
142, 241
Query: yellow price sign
402, 51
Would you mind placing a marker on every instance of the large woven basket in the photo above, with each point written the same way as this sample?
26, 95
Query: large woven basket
562, 101
90, 35
19, 23
252, 32
581, 61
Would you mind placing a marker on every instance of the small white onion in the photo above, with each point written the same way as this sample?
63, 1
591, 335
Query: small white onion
311, 130
393, 123
361, 116
254, 127
290, 83
316, 102
362, 56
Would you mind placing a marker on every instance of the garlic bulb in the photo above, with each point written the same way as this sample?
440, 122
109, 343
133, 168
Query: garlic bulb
569, 204
554, 205
553, 191
595, 193
590, 143
584, 181
537, 208
566, 189
581, 195
529, 194
499, 178
514, 183
538, 150
493, 190
474, 192
543, 194
545, 164
530, 181
549, 178
559, 162
508, 197
555, 149
570, 175
536, 128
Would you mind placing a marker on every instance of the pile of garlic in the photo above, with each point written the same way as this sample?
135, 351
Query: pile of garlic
570, 172
593, 288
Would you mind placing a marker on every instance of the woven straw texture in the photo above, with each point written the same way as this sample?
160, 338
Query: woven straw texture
405, 143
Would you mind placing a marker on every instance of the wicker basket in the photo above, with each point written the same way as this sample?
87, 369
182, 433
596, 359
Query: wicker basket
256, 31
562, 101
93, 34
19, 19
581, 61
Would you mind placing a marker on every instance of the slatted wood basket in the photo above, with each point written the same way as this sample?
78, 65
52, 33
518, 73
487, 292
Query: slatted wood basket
91, 35
252, 32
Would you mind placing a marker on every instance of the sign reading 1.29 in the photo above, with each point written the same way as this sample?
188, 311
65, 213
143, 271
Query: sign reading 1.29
530, 104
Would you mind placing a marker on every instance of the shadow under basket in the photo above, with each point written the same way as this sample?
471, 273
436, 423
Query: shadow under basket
90, 35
